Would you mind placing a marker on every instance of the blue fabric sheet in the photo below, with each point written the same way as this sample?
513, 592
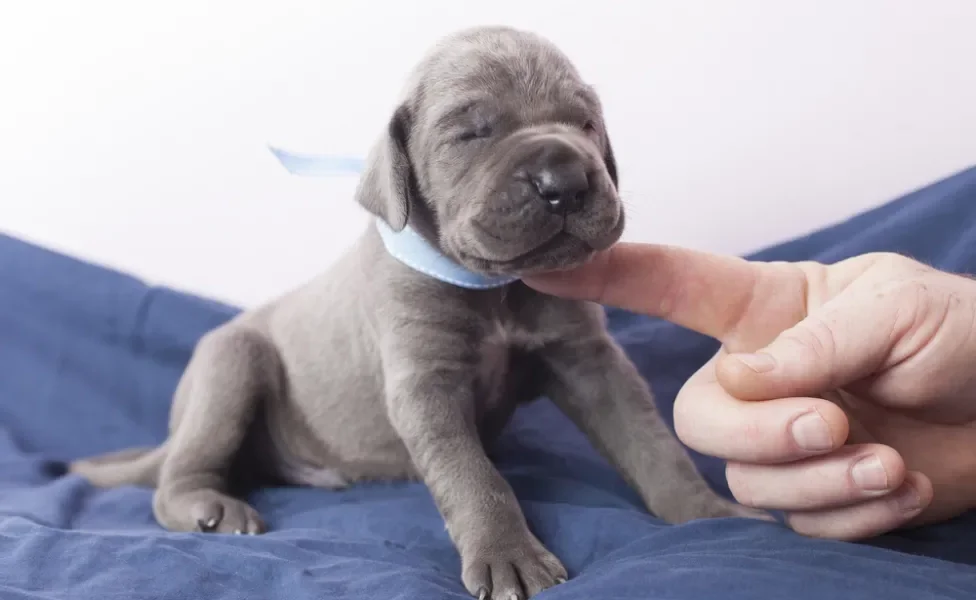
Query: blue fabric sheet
89, 358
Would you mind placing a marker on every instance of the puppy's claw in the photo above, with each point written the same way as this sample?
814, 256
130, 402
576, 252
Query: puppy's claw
208, 525
560, 580
483, 593
238, 532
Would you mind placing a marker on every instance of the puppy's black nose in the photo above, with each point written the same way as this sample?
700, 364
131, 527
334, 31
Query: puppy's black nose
562, 186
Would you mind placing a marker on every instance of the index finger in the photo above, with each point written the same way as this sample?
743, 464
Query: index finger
704, 292
710, 421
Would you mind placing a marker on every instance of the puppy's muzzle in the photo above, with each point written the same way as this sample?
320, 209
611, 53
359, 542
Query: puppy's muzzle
558, 173
560, 179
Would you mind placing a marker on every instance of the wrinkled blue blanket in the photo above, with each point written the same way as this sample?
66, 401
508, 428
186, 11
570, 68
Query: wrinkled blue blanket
89, 358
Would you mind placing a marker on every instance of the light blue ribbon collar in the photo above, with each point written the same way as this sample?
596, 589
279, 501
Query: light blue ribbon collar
410, 248
407, 246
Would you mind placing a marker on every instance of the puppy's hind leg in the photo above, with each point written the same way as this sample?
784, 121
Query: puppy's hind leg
232, 370
133, 466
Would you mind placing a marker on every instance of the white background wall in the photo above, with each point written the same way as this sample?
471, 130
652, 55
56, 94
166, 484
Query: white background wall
134, 133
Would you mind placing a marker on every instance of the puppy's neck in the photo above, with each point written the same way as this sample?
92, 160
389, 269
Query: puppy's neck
411, 249
407, 246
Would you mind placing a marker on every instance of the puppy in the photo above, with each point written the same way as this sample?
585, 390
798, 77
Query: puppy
408, 356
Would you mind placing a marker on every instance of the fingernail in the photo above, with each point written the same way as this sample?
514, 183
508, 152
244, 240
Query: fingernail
759, 362
909, 500
869, 474
810, 432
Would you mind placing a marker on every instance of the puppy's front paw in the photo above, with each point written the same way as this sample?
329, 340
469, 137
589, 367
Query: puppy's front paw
511, 569
208, 511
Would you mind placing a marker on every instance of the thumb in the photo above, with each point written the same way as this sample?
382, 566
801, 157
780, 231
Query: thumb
846, 340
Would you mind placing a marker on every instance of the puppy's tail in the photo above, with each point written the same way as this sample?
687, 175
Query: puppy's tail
134, 466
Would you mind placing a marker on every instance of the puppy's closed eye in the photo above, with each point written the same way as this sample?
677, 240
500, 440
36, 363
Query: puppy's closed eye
479, 132
592, 130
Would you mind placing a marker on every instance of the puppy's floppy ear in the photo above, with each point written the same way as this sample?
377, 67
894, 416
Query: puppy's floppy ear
608, 158
611, 163
387, 185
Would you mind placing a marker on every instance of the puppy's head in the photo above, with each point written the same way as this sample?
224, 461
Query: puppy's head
498, 155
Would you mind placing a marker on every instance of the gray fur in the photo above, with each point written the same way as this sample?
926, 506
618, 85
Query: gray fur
374, 371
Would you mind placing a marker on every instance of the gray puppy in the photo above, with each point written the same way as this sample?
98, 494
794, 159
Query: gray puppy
498, 158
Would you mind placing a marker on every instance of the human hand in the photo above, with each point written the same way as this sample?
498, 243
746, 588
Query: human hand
844, 395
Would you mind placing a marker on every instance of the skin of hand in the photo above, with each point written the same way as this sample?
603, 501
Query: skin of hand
843, 395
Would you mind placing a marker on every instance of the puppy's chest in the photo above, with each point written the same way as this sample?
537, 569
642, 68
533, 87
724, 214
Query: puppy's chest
495, 367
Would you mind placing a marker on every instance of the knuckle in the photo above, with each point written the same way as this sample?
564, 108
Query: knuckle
914, 288
755, 435
900, 265
913, 301
813, 336
891, 260
888, 259
740, 485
